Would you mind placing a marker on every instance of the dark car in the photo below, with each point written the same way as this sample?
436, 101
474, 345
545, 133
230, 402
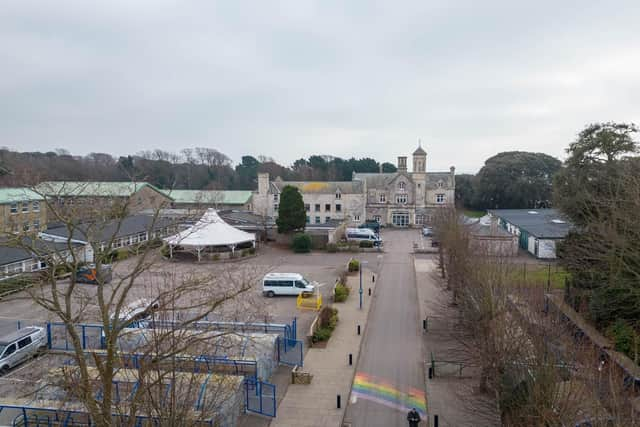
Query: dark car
372, 225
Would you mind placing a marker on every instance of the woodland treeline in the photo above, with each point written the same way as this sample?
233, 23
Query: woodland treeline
191, 168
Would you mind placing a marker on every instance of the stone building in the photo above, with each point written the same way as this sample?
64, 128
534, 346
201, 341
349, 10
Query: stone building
85, 199
400, 199
405, 199
22, 210
324, 201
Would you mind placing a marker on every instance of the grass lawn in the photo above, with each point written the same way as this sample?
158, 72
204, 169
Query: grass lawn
474, 214
539, 275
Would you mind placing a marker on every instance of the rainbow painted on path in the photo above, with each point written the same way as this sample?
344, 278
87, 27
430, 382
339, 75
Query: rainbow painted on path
368, 387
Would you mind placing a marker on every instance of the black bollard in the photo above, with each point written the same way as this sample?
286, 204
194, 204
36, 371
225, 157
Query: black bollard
435, 421
424, 324
350, 359
338, 401
358, 329
373, 279
369, 291
430, 372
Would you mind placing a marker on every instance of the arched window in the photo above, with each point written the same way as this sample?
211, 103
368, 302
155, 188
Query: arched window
440, 184
402, 186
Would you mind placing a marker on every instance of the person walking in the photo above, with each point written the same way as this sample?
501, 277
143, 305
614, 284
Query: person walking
414, 418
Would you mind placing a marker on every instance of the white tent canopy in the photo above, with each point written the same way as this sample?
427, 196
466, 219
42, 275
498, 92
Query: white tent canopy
209, 231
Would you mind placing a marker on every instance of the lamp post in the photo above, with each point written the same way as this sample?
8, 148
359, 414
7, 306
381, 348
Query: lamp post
360, 291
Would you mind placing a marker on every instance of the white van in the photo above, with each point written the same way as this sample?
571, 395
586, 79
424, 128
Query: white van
20, 345
286, 284
360, 234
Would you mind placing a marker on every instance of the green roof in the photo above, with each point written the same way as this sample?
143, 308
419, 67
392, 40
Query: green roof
209, 196
11, 195
92, 188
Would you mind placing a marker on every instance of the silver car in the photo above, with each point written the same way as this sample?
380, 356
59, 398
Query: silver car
20, 345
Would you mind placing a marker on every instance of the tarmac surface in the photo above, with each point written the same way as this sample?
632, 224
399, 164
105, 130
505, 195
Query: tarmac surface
389, 377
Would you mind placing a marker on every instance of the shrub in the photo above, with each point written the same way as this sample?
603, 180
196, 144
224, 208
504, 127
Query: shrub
341, 293
251, 251
624, 337
354, 265
366, 244
122, 254
327, 321
244, 253
301, 243
164, 251
332, 248
215, 257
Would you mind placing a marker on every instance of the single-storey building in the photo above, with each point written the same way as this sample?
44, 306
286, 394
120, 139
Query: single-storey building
538, 230
487, 238
132, 230
32, 255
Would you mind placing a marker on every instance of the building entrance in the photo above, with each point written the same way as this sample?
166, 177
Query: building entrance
400, 219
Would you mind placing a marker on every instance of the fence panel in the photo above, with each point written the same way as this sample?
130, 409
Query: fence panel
59, 339
260, 397
290, 352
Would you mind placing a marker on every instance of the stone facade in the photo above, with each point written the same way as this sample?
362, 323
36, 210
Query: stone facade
400, 199
324, 200
405, 199
22, 210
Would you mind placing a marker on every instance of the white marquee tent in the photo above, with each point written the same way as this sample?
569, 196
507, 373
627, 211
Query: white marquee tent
209, 231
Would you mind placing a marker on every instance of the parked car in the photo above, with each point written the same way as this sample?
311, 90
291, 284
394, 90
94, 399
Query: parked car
20, 345
286, 284
90, 274
361, 234
136, 313
427, 231
372, 225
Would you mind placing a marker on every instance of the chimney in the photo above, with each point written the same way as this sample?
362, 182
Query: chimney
263, 183
402, 163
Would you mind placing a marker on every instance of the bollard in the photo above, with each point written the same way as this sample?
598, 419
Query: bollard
373, 278
358, 329
338, 401
369, 291
435, 421
424, 324
430, 373
350, 359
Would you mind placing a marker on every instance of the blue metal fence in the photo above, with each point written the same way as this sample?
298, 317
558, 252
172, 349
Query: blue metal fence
91, 337
260, 397
290, 352
286, 330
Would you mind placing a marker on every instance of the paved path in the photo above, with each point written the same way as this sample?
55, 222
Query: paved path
315, 404
390, 374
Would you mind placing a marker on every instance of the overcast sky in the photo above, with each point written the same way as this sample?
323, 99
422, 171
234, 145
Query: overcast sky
290, 79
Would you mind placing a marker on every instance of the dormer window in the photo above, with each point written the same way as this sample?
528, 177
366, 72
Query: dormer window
402, 186
338, 196
440, 184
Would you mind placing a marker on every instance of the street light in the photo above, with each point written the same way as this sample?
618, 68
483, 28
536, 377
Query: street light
361, 263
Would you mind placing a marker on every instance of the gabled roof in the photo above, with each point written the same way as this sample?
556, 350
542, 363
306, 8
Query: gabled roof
95, 232
322, 187
540, 223
375, 180
93, 188
20, 194
209, 196
11, 252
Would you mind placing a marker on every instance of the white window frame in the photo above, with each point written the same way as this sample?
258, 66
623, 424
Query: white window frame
377, 218
25, 207
338, 207
338, 196
35, 206
402, 186
402, 199
356, 217
440, 198
382, 197
36, 224
14, 208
